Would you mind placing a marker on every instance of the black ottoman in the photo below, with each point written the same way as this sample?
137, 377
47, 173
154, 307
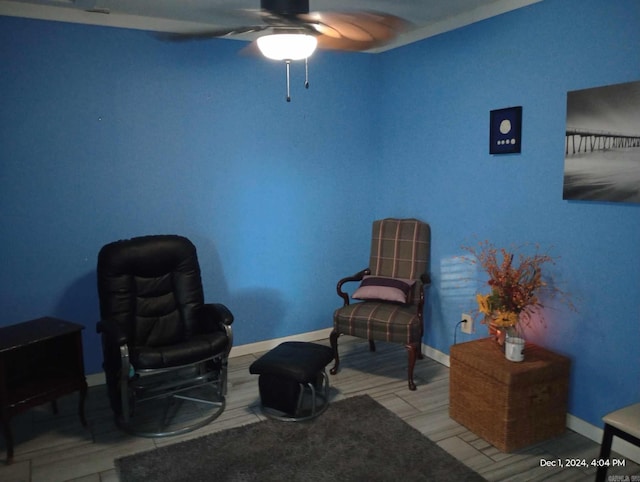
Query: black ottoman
293, 382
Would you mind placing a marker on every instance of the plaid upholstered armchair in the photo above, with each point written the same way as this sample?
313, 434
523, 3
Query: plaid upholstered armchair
390, 298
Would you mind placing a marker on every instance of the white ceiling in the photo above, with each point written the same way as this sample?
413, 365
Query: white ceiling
427, 17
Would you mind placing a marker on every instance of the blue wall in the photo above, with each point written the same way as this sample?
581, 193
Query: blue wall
437, 131
110, 133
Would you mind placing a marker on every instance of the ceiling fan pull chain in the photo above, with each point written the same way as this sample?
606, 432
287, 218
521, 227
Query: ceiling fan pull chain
306, 72
288, 62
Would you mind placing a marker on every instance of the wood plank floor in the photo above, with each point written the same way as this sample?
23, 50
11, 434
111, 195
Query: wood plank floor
55, 448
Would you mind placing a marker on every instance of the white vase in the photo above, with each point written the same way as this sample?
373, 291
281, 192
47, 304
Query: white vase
514, 348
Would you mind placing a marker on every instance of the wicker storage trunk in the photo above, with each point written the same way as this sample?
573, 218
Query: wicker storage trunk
509, 404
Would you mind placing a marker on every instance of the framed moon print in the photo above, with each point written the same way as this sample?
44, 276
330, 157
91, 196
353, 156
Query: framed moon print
505, 130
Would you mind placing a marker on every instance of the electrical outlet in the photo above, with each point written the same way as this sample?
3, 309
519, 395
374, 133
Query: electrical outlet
467, 323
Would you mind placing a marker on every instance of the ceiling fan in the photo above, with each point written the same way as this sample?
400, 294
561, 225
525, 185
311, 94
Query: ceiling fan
290, 31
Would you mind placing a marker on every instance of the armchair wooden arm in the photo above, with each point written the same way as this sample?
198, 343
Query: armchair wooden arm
356, 277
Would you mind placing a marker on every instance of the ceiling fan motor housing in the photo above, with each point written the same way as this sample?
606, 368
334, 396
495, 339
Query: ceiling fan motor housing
285, 7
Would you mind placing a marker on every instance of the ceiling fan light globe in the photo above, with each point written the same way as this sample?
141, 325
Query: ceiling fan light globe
287, 46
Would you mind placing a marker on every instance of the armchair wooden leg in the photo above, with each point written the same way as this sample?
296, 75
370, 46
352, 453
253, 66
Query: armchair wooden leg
372, 345
333, 339
413, 350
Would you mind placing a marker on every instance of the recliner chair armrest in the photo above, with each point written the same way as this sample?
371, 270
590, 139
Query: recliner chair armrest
112, 331
215, 317
356, 277
217, 314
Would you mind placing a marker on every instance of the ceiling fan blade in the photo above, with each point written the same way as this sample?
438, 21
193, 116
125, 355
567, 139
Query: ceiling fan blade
357, 26
327, 42
215, 33
354, 31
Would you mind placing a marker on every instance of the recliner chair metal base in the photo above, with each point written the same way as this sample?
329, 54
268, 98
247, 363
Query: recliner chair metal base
162, 405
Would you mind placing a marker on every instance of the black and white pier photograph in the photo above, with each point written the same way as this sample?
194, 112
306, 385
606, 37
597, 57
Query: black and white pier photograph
602, 144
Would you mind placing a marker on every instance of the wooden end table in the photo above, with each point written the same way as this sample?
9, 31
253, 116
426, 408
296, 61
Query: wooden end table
40, 361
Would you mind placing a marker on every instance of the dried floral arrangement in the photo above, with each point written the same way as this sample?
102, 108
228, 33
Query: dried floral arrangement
516, 283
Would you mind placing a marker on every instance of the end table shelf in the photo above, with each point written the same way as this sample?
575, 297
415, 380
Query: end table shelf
40, 361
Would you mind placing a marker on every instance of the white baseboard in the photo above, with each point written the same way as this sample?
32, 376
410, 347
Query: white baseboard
574, 423
267, 345
436, 355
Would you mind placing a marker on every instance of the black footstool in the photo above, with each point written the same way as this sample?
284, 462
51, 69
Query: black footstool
293, 382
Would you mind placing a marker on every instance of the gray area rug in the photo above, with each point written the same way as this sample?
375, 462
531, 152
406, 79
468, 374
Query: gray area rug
356, 439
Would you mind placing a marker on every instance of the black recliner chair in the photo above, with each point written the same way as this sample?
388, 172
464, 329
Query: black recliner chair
162, 345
